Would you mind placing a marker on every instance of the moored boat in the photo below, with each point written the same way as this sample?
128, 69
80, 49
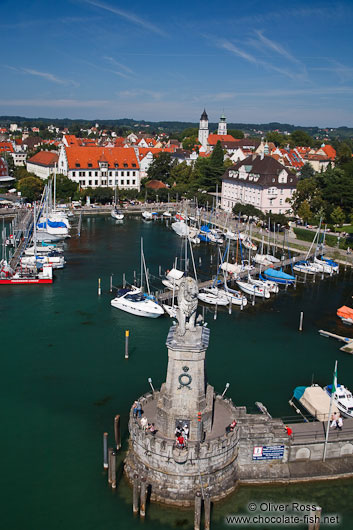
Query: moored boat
342, 398
137, 303
345, 313
277, 276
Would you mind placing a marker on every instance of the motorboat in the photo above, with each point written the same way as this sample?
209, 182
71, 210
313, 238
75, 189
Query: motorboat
277, 276
180, 217
133, 301
213, 296
248, 244
345, 313
328, 266
342, 398
272, 287
173, 279
208, 236
306, 267
25, 275
171, 310
42, 250
315, 400
54, 259
180, 228
167, 214
254, 289
117, 214
55, 228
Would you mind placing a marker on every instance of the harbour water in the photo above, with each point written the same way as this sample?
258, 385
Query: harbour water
64, 377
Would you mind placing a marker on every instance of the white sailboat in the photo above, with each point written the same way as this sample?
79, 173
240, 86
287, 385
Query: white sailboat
115, 212
253, 289
213, 296
135, 301
272, 287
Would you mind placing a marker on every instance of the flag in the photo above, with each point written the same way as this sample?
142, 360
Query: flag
334, 383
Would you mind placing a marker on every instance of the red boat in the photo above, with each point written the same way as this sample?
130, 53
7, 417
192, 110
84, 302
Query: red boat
25, 276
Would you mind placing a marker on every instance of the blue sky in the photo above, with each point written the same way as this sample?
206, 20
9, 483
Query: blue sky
258, 61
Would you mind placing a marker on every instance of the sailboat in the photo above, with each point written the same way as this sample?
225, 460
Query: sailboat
115, 212
254, 289
133, 300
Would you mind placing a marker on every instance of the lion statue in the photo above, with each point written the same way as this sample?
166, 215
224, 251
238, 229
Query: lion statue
187, 305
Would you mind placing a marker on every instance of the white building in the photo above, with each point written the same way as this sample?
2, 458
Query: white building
100, 166
203, 130
42, 164
222, 126
261, 181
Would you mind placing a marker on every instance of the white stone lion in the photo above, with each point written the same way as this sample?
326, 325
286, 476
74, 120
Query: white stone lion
187, 305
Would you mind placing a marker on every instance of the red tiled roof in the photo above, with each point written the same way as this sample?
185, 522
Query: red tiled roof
155, 184
143, 151
213, 138
44, 158
117, 157
330, 151
6, 146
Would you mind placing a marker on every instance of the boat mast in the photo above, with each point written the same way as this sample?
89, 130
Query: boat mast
54, 196
141, 266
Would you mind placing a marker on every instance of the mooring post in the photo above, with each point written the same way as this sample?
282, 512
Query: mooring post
160, 270
211, 258
301, 321
315, 517
143, 497
105, 450
111, 283
197, 516
99, 287
113, 468
230, 307
215, 313
110, 453
127, 333
134, 277
117, 432
207, 508
200, 261
124, 280
135, 495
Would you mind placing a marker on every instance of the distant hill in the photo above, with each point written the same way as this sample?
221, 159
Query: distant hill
170, 126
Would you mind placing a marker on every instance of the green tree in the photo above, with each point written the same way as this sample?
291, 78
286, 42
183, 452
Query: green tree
236, 133
31, 188
338, 216
344, 153
247, 209
189, 143
307, 171
65, 187
278, 139
304, 211
301, 138
160, 169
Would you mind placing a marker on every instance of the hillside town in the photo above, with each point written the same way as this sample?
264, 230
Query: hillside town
269, 173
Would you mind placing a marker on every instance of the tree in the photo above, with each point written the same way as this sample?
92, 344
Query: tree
344, 153
31, 188
247, 209
304, 211
189, 143
278, 139
307, 171
160, 169
338, 217
301, 138
236, 133
65, 187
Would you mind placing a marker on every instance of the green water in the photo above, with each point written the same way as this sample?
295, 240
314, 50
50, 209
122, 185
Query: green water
64, 378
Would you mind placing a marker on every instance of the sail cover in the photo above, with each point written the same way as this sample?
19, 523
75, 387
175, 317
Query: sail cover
345, 312
315, 400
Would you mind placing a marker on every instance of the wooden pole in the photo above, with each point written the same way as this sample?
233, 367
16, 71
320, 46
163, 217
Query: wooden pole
301, 321
105, 450
143, 497
127, 333
197, 516
207, 508
315, 516
113, 469
110, 452
135, 495
117, 432
99, 287
124, 281
111, 283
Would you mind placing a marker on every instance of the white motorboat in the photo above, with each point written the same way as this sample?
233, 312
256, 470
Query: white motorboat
167, 214
180, 228
343, 399
147, 215
272, 287
137, 303
173, 278
236, 297
272, 259
42, 250
253, 289
327, 266
247, 243
117, 214
262, 259
53, 259
171, 310
213, 296
306, 267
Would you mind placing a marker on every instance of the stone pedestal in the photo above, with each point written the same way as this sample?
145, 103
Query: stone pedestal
186, 398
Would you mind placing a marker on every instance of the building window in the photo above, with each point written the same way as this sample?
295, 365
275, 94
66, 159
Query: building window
133, 173
90, 173
281, 201
96, 173
116, 182
110, 183
128, 182
116, 173
110, 173
134, 182
90, 183
104, 182
122, 174
281, 191
77, 164
89, 164
73, 174
128, 173
122, 183
96, 182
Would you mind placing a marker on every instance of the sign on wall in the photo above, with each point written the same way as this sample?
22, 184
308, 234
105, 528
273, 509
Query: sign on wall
268, 452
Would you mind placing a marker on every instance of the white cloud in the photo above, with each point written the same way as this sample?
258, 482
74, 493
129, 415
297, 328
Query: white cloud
127, 15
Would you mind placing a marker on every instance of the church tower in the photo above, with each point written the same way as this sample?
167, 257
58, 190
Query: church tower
222, 125
203, 129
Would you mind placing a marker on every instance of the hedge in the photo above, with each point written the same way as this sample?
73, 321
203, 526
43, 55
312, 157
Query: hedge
330, 240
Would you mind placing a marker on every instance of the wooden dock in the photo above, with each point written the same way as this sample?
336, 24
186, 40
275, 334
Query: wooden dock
348, 347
